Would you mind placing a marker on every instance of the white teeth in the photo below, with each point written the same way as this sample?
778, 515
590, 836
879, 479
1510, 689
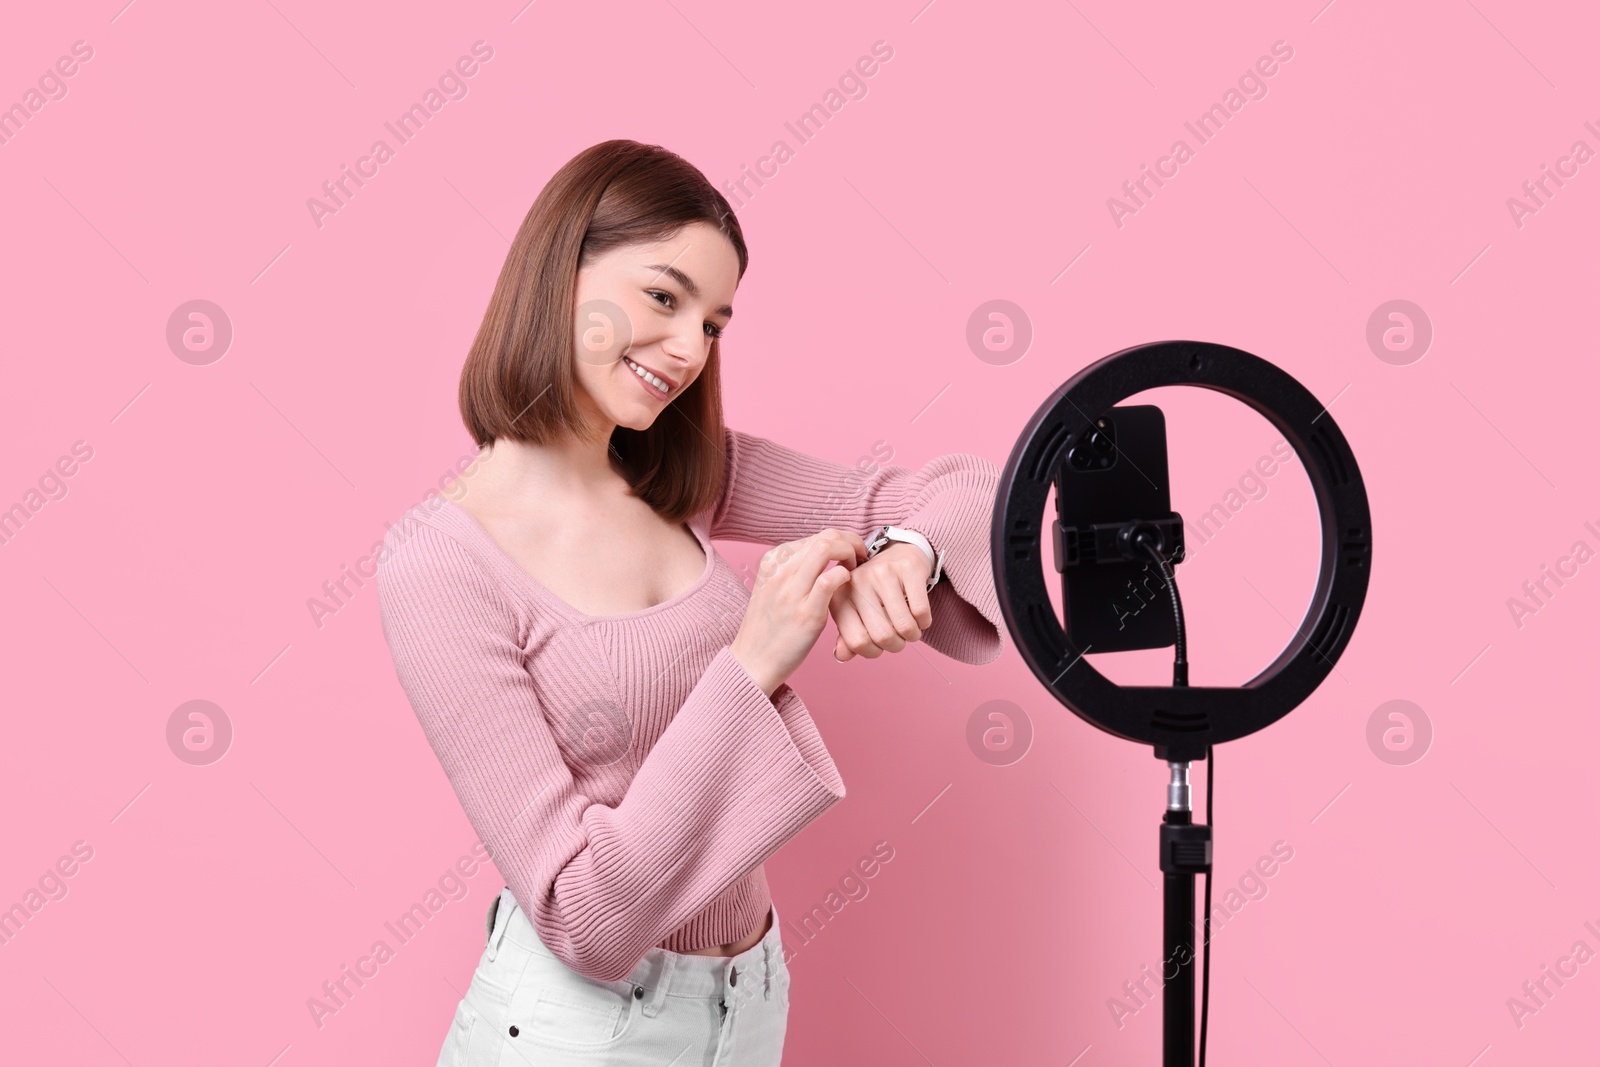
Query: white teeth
647, 376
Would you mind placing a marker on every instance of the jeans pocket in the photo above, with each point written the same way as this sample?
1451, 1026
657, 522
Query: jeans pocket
573, 1021
572, 1012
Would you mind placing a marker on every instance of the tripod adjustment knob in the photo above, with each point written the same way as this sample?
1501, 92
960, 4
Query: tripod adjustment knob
1185, 848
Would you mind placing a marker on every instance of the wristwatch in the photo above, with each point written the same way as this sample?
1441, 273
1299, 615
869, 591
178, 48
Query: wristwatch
884, 536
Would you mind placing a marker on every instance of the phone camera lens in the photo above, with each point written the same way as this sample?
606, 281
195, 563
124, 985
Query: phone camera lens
1094, 450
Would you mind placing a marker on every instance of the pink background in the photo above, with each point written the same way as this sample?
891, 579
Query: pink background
219, 498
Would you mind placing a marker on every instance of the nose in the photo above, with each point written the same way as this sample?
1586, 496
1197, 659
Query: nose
682, 347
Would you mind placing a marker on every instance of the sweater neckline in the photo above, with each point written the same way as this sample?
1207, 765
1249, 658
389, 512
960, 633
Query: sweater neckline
518, 574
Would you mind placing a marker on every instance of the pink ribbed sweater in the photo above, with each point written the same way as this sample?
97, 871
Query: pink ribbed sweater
626, 773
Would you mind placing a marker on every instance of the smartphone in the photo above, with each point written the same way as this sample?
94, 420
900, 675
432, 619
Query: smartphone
1114, 471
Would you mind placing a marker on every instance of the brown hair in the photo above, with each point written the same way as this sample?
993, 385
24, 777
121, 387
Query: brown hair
518, 379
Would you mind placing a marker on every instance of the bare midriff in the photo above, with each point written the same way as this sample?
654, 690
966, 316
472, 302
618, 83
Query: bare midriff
733, 949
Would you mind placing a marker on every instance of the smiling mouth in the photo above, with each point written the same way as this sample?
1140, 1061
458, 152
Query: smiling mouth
645, 375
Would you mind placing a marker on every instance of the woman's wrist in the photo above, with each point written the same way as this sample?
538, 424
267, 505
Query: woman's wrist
762, 683
920, 541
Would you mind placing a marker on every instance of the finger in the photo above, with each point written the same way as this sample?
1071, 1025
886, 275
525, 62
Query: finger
852, 630
816, 551
817, 602
900, 616
917, 601
892, 591
840, 599
837, 605
805, 559
873, 614
894, 588
852, 537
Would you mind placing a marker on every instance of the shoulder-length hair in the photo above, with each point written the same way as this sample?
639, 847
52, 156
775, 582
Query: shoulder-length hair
518, 381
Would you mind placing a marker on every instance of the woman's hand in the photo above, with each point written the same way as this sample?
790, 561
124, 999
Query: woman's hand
789, 604
884, 605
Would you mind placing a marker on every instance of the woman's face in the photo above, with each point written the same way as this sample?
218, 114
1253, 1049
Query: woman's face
656, 307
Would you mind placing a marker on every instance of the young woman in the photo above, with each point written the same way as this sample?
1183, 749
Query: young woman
606, 696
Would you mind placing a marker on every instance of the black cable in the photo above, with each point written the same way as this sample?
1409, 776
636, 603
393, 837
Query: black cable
1180, 678
1205, 969
1180, 660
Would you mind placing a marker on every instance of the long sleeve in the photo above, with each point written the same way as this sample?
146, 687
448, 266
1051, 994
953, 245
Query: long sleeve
730, 779
773, 493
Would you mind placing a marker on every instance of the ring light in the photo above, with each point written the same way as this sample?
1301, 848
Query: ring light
1182, 722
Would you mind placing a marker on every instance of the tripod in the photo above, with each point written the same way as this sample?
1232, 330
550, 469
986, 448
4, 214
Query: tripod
1185, 852
1183, 723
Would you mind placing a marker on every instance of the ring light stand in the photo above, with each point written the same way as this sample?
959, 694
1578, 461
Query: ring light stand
1182, 723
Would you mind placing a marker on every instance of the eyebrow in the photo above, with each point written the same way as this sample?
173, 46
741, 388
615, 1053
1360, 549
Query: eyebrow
687, 282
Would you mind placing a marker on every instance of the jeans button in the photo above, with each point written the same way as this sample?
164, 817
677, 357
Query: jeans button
733, 976
638, 992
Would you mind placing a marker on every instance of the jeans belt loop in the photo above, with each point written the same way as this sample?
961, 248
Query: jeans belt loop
499, 917
663, 980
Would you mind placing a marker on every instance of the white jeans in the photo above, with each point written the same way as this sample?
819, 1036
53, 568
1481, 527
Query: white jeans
526, 1008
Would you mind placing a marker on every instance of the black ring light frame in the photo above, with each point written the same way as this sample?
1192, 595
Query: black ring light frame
1182, 722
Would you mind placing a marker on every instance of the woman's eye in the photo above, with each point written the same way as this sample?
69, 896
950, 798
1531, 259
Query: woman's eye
713, 330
